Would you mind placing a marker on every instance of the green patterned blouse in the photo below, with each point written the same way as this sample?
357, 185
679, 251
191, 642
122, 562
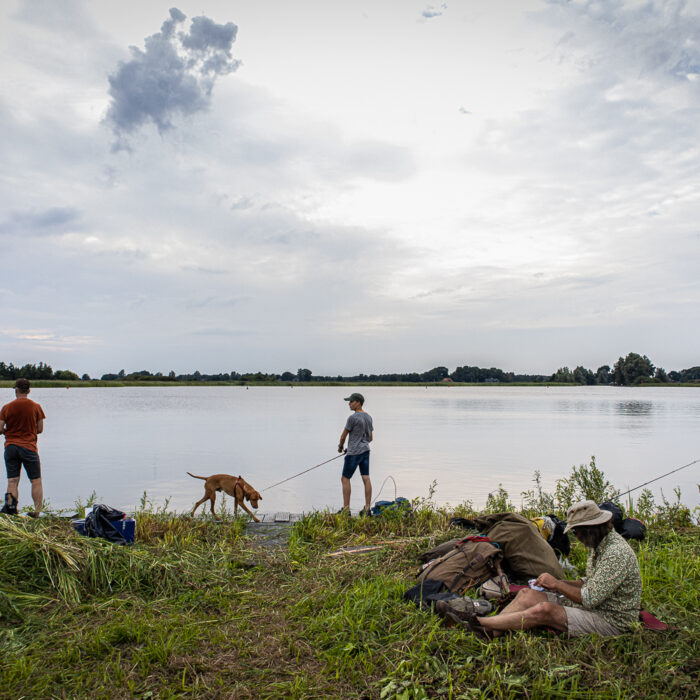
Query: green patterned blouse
612, 586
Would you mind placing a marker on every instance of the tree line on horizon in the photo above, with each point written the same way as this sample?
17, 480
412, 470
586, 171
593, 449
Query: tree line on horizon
634, 369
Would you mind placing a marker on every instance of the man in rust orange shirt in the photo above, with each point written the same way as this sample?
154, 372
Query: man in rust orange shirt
21, 421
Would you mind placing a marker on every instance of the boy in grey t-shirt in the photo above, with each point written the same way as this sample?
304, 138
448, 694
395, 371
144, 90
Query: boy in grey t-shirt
359, 429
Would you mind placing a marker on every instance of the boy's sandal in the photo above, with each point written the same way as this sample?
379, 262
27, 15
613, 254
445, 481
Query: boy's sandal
478, 630
451, 617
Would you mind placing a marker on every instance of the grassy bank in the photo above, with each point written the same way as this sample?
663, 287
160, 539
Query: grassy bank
198, 608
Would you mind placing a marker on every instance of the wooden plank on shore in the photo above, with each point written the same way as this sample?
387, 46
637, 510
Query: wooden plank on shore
282, 517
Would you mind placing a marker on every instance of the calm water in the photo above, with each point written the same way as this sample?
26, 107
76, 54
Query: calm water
122, 442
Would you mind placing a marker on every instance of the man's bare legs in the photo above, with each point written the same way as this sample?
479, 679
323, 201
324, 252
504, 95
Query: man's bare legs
37, 495
529, 609
346, 491
368, 491
37, 492
13, 487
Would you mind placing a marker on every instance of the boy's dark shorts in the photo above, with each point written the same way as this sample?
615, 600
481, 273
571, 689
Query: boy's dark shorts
16, 456
352, 462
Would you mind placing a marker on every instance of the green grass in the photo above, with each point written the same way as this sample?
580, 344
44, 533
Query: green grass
199, 609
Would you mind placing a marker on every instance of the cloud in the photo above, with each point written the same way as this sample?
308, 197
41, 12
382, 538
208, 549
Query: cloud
432, 11
41, 223
173, 76
640, 39
43, 339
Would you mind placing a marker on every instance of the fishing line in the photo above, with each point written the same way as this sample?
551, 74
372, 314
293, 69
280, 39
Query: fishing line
267, 488
695, 461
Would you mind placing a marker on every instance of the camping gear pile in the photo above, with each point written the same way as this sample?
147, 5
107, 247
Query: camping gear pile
509, 547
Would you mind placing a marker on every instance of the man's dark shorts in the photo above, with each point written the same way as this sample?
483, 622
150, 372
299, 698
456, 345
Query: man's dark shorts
352, 462
16, 456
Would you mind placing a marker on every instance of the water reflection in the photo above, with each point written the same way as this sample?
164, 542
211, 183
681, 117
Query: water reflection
634, 408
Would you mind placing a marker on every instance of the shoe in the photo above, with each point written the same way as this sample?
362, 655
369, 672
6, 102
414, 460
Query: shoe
365, 512
462, 609
345, 510
479, 630
10, 505
449, 615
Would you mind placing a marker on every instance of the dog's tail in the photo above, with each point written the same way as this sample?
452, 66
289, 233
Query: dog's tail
194, 476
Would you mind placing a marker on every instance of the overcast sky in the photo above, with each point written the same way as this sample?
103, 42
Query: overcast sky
376, 186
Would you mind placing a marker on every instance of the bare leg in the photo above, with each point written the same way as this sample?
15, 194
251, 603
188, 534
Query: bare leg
526, 598
346, 491
539, 615
368, 491
13, 487
37, 495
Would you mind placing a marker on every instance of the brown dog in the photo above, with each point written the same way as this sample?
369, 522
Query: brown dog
237, 487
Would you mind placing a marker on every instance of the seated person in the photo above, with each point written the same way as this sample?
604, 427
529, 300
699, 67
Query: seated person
605, 602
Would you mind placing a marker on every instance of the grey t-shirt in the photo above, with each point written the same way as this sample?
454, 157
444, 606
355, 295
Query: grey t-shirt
360, 427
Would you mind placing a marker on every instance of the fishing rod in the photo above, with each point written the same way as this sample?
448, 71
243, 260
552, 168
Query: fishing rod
673, 471
267, 488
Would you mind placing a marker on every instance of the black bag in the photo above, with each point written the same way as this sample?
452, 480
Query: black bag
10, 506
98, 524
617, 514
559, 540
427, 593
633, 529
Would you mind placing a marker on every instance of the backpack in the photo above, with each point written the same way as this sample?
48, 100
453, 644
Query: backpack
633, 529
401, 505
525, 552
617, 514
467, 564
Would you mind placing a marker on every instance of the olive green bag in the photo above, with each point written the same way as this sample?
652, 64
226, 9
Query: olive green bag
466, 564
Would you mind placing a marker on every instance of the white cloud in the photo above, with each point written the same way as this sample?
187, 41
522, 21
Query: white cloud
513, 182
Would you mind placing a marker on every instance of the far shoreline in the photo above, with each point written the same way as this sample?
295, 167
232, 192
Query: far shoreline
83, 384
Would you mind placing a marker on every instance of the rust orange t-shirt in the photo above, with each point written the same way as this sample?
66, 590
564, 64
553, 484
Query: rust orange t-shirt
21, 417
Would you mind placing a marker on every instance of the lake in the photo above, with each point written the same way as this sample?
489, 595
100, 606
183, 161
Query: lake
120, 442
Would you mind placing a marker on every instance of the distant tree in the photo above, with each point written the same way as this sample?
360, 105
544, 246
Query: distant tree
109, 377
690, 375
582, 375
602, 375
674, 376
437, 374
171, 374
563, 374
85, 377
304, 375
288, 377
121, 374
633, 369
661, 375
65, 375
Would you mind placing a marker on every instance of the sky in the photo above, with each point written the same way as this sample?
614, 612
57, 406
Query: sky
384, 186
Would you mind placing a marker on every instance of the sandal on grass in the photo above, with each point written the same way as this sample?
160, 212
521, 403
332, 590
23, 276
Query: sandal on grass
451, 616
462, 609
479, 630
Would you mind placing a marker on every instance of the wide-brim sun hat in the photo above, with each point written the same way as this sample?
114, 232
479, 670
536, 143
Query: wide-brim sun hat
585, 513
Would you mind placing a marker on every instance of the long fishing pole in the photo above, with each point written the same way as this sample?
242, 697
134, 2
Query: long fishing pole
267, 488
695, 461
